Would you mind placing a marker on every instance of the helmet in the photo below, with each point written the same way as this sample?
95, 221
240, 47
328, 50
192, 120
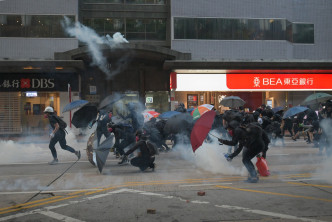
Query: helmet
48, 110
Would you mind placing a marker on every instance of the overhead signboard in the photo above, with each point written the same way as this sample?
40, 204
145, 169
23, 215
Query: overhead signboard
257, 80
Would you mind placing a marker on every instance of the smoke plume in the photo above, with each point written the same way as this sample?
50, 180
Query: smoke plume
94, 43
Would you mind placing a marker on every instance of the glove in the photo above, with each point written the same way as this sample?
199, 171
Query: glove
221, 141
228, 157
51, 135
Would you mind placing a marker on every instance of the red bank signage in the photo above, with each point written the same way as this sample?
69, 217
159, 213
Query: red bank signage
275, 81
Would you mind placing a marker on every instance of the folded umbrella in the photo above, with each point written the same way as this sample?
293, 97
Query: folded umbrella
102, 152
74, 105
201, 128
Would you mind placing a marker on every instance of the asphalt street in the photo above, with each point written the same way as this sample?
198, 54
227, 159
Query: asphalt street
184, 187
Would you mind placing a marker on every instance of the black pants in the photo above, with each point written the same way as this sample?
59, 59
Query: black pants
247, 155
100, 133
142, 162
60, 136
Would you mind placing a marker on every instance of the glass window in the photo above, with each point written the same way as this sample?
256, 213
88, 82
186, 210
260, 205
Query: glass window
11, 26
242, 29
303, 33
160, 2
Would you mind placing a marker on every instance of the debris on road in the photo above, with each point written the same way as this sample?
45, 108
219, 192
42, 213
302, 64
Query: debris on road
201, 193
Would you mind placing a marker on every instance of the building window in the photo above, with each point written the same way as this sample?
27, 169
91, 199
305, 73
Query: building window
132, 29
242, 29
147, 2
33, 26
303, 33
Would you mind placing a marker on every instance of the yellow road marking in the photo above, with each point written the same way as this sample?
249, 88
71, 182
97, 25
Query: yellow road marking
134, 184
311, 185
273, 193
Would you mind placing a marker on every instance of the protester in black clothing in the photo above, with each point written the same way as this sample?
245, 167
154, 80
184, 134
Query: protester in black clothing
288, 125
124, 136
137, 119
58, 135
250, 139
181, 108
145, 158
102, 121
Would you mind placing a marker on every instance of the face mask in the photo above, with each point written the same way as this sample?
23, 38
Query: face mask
137, 138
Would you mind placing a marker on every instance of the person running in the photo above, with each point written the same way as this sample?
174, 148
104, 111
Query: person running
58, 135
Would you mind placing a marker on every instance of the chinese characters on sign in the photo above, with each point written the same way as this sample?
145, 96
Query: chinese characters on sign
278, 81
286, 81
27, 83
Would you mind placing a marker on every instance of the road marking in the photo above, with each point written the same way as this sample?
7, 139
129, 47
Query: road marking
267, 213
46, 211
199, 185
277, 194
311, 185
59, 216
299, 180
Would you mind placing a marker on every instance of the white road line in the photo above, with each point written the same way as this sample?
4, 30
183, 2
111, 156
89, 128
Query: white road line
260, 212
204, 184
59, 216
267, 213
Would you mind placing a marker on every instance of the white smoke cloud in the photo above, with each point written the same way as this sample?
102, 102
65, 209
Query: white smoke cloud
210, 157
325, 172
94, 42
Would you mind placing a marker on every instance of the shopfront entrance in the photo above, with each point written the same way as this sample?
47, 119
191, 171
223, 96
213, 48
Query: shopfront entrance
23, 98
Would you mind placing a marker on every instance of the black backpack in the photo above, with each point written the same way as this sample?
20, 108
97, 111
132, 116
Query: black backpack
151, 147
62, 124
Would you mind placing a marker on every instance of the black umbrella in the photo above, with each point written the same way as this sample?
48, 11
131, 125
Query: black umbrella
102, 152
109, 100
178, 123
84, 116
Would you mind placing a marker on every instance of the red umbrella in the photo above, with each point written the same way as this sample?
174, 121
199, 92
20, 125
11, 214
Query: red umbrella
201, 128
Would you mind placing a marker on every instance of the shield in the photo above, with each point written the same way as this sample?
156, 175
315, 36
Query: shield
84, 116
178, 123
102, 152
200, 110
148, 114
201, 128
294, 110
317, 98
74, 105
108, 101
168, 114
232, 101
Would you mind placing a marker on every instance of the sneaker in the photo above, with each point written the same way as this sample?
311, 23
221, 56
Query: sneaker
153, 166
252, 180
53, 162
78, 154
124, 160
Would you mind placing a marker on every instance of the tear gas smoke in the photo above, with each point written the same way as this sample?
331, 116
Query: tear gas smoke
94, 43
325, 172
20, 185
210, 157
